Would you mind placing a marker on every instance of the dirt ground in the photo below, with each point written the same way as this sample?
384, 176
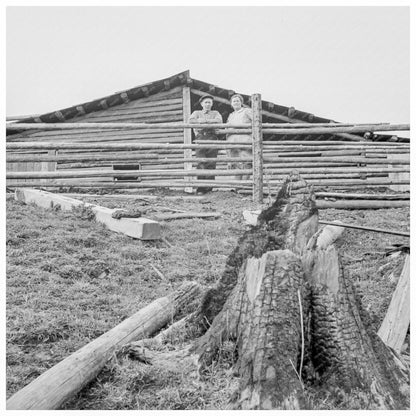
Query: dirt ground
70, 279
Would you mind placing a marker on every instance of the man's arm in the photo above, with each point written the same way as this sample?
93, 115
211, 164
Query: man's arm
194, 118
217, 119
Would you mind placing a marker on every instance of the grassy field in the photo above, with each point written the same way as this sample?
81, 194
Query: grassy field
69, 280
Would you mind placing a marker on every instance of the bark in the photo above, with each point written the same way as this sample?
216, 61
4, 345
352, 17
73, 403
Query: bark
345, 346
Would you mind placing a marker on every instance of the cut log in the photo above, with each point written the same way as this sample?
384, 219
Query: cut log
394, 327
361, 196
361, 204
141, 228
59, 383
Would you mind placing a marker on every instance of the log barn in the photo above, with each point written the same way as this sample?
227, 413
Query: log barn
167, 100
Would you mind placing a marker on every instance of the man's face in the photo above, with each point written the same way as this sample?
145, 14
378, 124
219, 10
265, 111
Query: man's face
236, 103
207, 104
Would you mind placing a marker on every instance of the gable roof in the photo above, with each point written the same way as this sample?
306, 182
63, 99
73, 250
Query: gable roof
271, 110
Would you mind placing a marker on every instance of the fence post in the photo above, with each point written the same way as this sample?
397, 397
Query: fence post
187, 133
257, 149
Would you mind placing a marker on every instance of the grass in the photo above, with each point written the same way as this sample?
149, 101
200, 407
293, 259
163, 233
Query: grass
70, 279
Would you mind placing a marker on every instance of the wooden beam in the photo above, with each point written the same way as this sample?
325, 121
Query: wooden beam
361, 204
59, 383
394, 327
257, 136
187, 133
343, 195
141, 228
207, 172
333, 129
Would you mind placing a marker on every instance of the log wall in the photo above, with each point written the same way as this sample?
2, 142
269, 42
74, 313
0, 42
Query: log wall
166, 106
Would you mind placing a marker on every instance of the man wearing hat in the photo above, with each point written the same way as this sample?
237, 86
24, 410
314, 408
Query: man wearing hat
240, 115
206, 116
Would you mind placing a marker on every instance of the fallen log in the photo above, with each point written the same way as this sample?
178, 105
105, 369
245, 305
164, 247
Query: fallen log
362, 196
394, 327
361, 204
59, 383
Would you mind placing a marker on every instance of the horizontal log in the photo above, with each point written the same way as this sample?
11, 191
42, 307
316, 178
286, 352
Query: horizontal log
338, 143
90, 137
89, 133
309, 129
123, 146
334, 183
135, 116
150, 107
59, 383
336, 130
136, 196
126, 185
116, 146
361, 196
361, 204
199, 172
80, 158
310, 161
141, 228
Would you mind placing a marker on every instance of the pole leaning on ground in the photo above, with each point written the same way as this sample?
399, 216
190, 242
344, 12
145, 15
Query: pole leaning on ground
257, 149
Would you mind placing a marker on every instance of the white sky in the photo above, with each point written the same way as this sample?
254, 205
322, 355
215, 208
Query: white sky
349, 64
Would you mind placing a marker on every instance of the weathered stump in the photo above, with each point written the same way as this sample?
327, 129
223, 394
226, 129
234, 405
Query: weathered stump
286, 304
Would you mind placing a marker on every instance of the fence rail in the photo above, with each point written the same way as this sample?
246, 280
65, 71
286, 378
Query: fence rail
347, 162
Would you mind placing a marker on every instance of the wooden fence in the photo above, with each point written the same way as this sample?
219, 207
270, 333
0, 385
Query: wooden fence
45, 161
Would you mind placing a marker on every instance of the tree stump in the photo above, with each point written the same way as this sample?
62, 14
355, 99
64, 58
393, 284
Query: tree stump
290, 311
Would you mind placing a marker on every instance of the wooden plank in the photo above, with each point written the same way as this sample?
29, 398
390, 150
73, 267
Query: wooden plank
55, 386
141, 228
394, 327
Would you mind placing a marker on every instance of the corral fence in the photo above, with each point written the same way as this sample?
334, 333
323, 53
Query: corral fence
46, 163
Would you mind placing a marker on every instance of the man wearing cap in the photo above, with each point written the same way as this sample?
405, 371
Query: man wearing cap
206, 116
240, 115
